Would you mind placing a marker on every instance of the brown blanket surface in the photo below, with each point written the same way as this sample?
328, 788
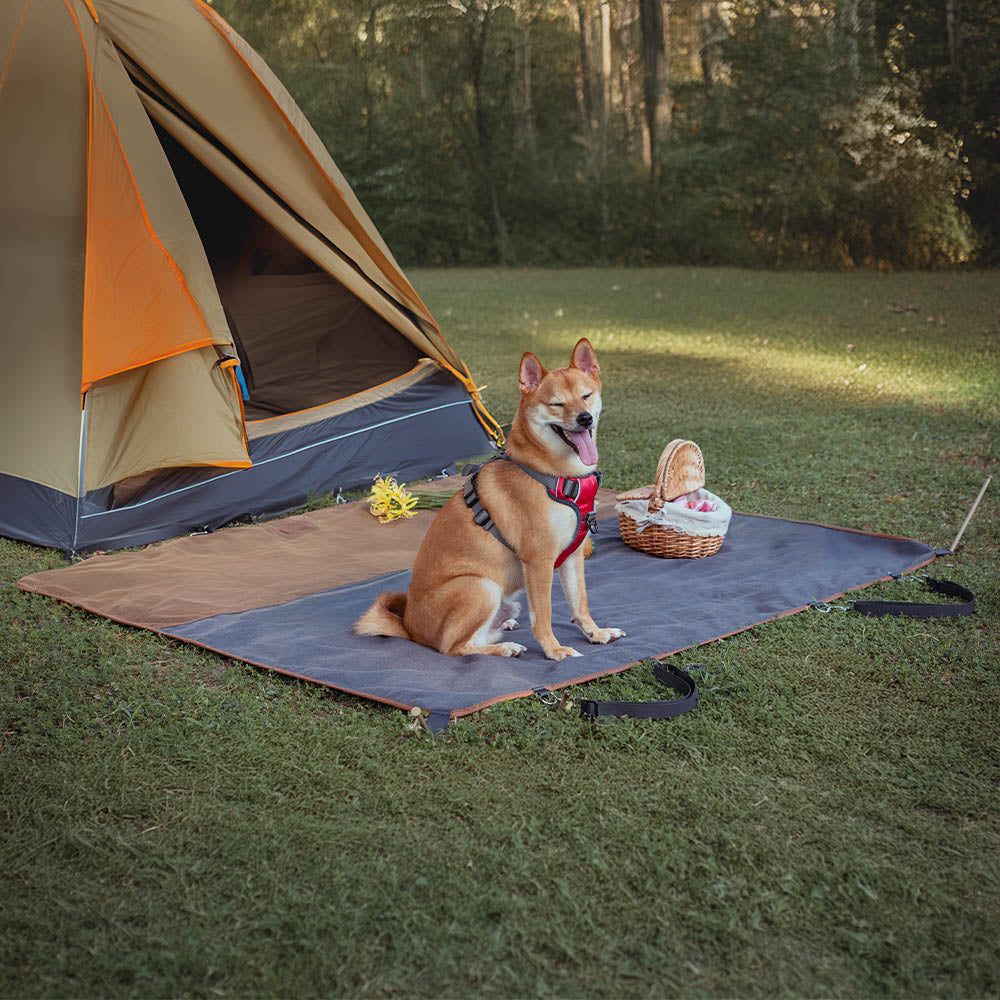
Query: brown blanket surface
245, 567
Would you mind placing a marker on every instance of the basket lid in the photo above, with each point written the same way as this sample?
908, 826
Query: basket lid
681, 469
640, 493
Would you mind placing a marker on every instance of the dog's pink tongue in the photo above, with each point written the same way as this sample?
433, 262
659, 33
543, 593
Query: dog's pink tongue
584, 445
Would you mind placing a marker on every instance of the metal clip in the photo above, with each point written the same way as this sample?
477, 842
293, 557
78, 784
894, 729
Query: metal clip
824, 608
546, 697
591, 520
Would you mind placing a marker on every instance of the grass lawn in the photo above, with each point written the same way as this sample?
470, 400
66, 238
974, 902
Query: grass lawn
825, 823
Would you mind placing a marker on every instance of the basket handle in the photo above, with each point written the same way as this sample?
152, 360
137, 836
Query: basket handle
667, 487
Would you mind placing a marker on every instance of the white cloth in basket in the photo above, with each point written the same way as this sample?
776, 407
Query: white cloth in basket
678, 518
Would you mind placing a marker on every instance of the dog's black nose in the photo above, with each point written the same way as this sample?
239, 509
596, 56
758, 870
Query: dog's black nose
585, 419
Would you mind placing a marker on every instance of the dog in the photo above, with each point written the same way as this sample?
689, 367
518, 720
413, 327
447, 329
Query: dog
514, 522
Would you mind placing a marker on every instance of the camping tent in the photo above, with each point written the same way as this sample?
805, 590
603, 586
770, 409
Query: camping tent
199, 321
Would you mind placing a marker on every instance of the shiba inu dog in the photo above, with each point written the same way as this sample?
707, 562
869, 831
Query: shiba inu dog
517, 519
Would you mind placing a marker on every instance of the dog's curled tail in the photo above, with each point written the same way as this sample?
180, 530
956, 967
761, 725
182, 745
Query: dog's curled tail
384, 617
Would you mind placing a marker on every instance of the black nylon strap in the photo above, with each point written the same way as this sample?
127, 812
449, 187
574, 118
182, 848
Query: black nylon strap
479, 513
916, 609
668, 675
438, 720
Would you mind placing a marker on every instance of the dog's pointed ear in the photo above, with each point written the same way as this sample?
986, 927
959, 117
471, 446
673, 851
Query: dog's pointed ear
531, 374
585, 359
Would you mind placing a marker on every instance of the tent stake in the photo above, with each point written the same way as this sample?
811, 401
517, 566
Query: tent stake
968, 517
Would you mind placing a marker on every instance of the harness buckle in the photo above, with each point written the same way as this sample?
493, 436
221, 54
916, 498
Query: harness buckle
591, 519
571, 488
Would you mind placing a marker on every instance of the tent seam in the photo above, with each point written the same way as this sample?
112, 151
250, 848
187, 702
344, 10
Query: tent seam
192, 345
277, 458
13, 44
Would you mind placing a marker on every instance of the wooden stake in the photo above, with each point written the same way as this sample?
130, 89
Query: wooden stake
968, 517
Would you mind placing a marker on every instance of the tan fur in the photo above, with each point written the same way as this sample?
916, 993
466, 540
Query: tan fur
464, 580
384, 617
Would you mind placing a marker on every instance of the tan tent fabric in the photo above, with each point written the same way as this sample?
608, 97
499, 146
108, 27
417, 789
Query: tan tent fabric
43, 220
182, 411
175, 52
245, 567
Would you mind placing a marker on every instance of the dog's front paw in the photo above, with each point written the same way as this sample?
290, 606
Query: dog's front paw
603, 635
562, 652
510, 648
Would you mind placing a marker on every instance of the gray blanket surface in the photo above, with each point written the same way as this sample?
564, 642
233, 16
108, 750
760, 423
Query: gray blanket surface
766, 567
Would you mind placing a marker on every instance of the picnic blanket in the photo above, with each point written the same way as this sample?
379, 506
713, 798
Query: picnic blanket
283, 596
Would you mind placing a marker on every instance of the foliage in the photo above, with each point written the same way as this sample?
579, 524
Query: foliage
491, 131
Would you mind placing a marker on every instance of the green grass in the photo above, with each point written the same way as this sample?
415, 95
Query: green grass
825, 823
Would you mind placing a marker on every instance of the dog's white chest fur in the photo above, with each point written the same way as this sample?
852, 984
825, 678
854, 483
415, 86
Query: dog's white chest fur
562, 523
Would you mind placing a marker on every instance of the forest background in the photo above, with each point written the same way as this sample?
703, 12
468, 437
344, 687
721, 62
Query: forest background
838, 134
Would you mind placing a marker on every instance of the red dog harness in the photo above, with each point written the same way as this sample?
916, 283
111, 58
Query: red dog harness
580, 493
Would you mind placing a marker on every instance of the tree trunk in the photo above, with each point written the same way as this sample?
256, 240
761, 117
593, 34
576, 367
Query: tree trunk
654, 26
583, 80
605, 76
528, 109
602, 159
484, 143
852, 60
712, 24
953, 20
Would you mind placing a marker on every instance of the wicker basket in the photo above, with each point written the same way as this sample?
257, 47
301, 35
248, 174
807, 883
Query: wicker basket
681, 470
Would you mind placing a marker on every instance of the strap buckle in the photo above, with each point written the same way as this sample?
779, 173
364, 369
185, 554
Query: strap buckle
546, 696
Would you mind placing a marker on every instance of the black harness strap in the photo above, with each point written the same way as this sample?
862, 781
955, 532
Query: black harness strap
666, 674
480, 514
916, 609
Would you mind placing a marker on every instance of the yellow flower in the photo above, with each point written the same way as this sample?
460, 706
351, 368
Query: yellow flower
388, 500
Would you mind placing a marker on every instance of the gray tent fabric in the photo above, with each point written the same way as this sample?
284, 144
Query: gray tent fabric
767, 567
410, 434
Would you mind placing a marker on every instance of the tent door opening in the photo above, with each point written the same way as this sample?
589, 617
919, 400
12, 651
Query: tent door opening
303, 338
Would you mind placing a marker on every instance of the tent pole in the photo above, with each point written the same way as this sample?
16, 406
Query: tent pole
84, 410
